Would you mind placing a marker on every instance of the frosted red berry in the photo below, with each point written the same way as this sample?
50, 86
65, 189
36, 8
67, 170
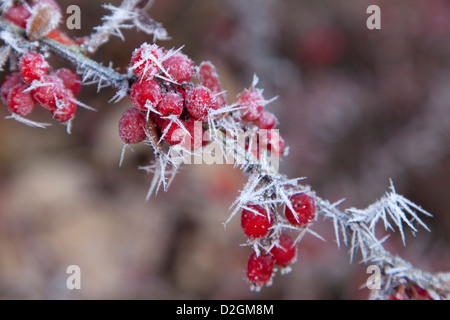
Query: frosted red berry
65, 106
285, 251
304, 210
195, 140
209, 78
275, 143
171, 104
172, 132
260, 269
191, 135
70, 79
266, 120
179, 67
256, 222
143, 92
252, 104
32, 66
49, 90
20, 101
145, 61
18, 15
132, 126
10, 82
199, 101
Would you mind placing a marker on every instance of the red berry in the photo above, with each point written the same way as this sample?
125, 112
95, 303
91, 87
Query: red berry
260, 269
173, 133
20, 101
132, 126
195, 129
65, 107
49, 91
210, 79
142, 92
252, 104
275, 143
179, 67
157, 120
145, 61
267, 120
10, 82
32, 66
256, 225
198, 101
70, 79
176, 135
18, 15
284, 251
171, 103
304, 210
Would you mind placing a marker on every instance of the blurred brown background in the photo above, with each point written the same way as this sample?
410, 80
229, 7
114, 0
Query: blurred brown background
356, 106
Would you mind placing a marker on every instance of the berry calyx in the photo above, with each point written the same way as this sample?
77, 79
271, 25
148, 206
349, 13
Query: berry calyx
285, 251
145, 61
70, 80
18, 15
252, 104
171, 103
256, 221
132, 126
143, 92
10, 82
304, 210
179, 67
20, 101
260, 269
199, 101
32, 66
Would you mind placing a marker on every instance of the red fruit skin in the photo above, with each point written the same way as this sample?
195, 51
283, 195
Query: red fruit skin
32, 66
70, 79
260, 269
141, 91
132, 126
252, 104
209, 78
143, 61
171, 103
179, 67
20, 101
199, 101
51, 90
66, 107
266, 120
254, 225
18, 15
10, 82
305, 210
285, 251
176, 135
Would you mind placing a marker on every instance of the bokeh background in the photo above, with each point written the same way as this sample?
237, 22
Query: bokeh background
357, 107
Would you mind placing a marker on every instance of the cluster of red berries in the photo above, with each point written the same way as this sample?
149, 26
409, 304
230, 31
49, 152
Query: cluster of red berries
35, 83
163, 92
257, 223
